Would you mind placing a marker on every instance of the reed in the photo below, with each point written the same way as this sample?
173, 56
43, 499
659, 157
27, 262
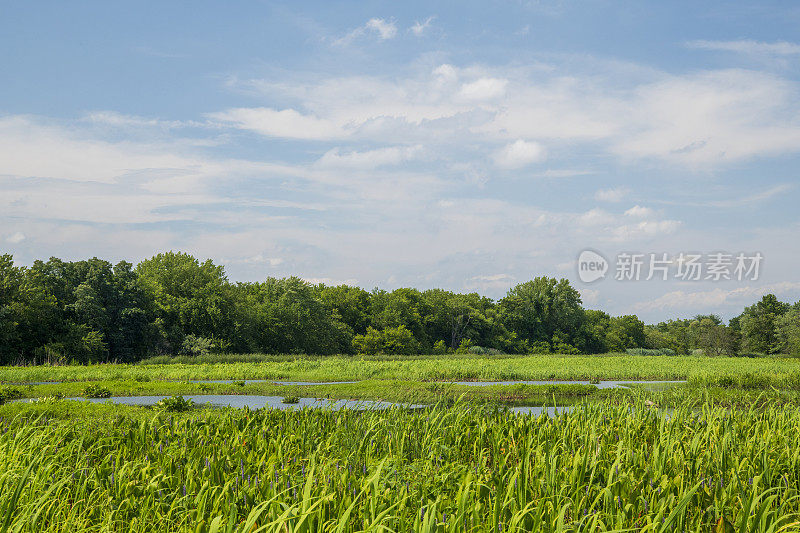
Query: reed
600, 467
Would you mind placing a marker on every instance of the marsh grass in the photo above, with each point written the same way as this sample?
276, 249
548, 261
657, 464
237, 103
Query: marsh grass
428, 368
601, 467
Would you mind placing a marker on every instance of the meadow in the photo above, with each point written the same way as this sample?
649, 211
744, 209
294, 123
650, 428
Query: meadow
718, 453
426, 368
66, 466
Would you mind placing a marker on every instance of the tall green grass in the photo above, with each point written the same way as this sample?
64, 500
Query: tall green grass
601, 467
534, 367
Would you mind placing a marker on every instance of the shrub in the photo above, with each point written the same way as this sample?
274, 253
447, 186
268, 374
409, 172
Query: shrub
291, 400
564, 348
398, 340
464, 347
174, 404
9, 393
193, 345
96, 391
540, 347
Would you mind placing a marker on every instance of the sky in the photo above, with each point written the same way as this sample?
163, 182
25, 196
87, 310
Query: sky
464, 145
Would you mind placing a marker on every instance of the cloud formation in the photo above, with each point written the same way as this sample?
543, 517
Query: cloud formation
519, 154
402, 177
748, 46
381, 28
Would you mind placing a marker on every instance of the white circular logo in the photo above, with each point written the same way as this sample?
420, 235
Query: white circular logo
591, 266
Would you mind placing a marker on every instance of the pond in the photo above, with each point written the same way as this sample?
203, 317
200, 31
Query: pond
276, 402
253, 402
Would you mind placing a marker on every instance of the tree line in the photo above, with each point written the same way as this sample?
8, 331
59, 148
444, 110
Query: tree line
93, 311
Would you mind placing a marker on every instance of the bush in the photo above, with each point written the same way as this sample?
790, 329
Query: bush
51, 354
566, 349
540, 347
174, 404
194, 346
464, 347
397, 340
96, 391
9, 393
291, 400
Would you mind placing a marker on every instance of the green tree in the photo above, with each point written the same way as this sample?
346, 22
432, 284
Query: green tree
596, 326
545, 310
190, 297
285, 316
759, 325
394, 340
402, 307
712, 336
11, 280
625, 332
788, 330
351, 304
453, 317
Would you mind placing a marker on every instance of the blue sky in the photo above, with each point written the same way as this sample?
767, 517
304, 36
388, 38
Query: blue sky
469, 145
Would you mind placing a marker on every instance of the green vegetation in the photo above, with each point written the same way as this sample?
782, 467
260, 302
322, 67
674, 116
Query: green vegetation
174, 305
405, 392
9, 393
425, 368
96, 391
174, 404
74, 467
723, 457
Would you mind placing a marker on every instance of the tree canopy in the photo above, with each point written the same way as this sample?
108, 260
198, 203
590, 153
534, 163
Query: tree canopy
93, 311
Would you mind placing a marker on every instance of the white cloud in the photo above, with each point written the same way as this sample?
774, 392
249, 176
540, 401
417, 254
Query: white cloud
349, 206
562, 173
644, 229
112, 118
518, 154
493, 282
16, 238
610, 227
611, 195
638, 211
483, 89
748, 46
596, 217
711, 118
698, 120
384, 29
709, 300
752, 198
420, 27
287, 123
29, 147
255, 260
393, 155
